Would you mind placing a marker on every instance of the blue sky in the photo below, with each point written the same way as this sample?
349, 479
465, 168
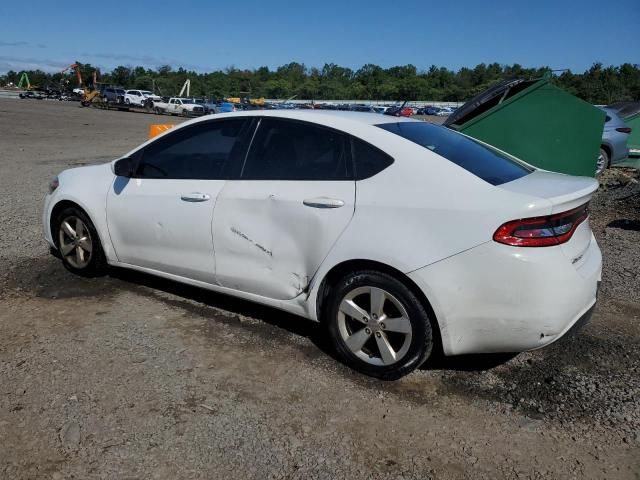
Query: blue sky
209, 35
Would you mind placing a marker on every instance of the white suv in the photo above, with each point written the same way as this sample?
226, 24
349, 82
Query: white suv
138, 97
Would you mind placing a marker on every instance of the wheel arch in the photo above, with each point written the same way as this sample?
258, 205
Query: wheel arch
66, 203
339, 270
607, 148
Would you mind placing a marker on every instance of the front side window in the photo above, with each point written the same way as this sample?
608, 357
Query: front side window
292, 150
204, 151
484, 162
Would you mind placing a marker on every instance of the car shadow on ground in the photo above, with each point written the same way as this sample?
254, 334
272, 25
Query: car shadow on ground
313, 331
200, 301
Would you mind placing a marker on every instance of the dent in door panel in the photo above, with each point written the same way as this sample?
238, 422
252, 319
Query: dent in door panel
283, 251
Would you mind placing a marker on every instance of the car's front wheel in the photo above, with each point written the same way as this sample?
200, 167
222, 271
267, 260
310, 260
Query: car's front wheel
78, 243
378, 326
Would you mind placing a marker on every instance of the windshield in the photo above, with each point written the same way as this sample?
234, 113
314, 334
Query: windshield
145, 92
478, 159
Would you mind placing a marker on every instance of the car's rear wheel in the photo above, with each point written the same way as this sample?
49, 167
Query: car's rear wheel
603, 162
78, 243
378, 326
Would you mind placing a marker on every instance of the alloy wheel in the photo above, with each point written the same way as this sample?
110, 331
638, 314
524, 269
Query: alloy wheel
75, 242
374, 326
601, 164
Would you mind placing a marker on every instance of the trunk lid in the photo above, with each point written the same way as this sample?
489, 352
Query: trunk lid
564, 192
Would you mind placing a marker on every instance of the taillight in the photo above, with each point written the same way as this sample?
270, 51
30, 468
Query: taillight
542, 231
623, 130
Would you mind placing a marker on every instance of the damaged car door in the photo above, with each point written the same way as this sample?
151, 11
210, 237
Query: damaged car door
274, 226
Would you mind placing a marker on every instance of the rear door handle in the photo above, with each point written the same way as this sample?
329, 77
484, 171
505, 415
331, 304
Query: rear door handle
323, 202
195, 197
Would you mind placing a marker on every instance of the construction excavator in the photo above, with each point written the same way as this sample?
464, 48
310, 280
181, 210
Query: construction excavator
90, 93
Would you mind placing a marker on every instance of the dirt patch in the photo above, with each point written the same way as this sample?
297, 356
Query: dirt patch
46, 277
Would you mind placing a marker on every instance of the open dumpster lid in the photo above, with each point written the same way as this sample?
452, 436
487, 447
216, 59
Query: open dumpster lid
625, 109
489, 98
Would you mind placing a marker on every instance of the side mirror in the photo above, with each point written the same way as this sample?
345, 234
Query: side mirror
124, 167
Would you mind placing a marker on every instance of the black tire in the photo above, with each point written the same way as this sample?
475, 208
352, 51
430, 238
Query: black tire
420, 344
97, 263
185, 113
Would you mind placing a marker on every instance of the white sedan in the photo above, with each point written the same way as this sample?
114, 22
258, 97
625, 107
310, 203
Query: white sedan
138, 97
402, 237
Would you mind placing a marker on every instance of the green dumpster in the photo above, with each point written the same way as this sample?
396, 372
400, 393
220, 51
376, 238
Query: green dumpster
537, 122
630, 113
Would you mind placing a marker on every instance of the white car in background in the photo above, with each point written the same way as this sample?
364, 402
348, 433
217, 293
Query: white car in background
400, 236
138, 97
445, 112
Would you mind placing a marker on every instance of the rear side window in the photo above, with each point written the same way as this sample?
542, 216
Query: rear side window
369, 160
484, 162
292, 150
204, 151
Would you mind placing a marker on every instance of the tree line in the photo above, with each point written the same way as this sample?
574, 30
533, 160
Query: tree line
598, 84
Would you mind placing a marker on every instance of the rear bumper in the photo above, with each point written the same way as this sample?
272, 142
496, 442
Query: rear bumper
617, 143
577, 327
496, 298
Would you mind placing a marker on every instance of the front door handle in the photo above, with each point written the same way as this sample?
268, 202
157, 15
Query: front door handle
323, 202
195, 197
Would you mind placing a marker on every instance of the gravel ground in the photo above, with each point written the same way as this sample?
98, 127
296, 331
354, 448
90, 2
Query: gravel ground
129, 376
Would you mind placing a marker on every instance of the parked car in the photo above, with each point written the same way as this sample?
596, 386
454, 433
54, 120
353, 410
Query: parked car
140, 97
179, 106
614, 141
224, 107
362, 108
113, 94
444, 112
467, 249
431, 110
399, 111
32, 94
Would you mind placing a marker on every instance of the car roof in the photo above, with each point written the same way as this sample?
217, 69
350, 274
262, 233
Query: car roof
614, 116
320, 116
359, 124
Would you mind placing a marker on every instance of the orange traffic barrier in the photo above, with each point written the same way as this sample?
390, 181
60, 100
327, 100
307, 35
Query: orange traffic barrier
156, 129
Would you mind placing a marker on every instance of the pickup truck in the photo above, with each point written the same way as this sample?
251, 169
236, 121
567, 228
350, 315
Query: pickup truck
179, 106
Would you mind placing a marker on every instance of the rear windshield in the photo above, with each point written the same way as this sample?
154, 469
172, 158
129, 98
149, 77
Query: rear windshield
484, 162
